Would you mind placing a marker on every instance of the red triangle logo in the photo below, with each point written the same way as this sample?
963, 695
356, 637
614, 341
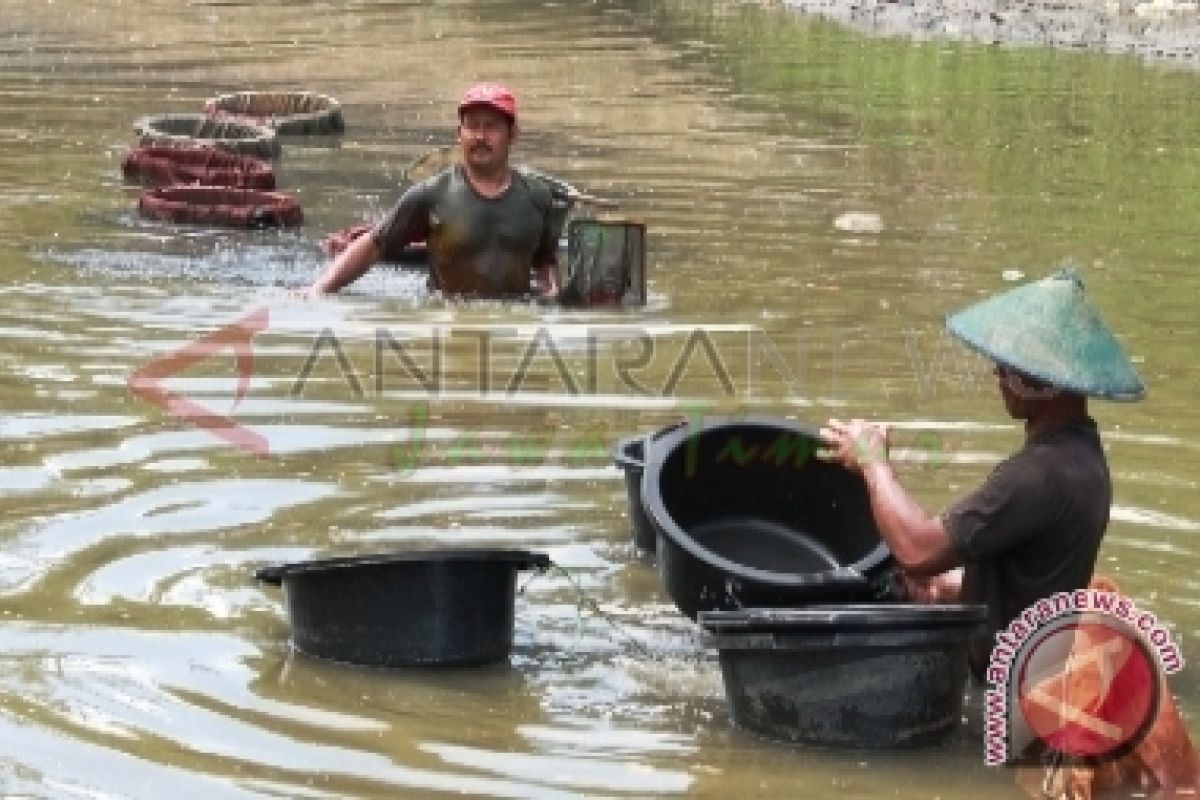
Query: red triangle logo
146, 382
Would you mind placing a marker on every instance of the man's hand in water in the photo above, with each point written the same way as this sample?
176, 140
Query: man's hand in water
944, 588
545, 283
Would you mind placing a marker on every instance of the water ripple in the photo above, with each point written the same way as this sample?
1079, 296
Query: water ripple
182, 509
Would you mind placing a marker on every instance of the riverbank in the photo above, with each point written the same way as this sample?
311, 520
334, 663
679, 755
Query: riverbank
1163, 31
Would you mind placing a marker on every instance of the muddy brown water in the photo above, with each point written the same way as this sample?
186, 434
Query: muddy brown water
817, 202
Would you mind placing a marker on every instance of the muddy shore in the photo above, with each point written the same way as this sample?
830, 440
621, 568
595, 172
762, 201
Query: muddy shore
1161, 31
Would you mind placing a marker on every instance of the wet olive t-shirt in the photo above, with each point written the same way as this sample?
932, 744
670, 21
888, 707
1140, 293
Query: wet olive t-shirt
1033, 528
477, 246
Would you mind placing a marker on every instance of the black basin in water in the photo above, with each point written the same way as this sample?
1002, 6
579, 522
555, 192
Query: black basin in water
419, 608
765, 545
860, 675
630, 456
745, 515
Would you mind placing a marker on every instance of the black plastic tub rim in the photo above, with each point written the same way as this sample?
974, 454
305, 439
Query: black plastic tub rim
822, 626
630, 453
274, 574
847, 616
850, 575
798, 642
633, 452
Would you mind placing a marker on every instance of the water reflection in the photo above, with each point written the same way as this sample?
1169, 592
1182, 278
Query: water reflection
177, 510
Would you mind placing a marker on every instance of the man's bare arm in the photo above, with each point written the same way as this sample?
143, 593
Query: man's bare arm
918, 541
348, 266
546, 281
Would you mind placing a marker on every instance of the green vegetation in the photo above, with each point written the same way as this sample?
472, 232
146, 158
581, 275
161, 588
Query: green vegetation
1109, 145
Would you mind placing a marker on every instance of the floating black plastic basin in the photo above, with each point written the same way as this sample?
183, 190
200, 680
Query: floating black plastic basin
630, 456
420, 608
879, 675
746, 516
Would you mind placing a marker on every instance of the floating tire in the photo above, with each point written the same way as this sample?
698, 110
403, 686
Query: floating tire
200, 130
289, 113
225, 206
207, 166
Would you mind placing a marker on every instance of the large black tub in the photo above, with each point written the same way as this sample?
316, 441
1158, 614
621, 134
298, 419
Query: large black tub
419, 608
746, 516
855, 676
630, 457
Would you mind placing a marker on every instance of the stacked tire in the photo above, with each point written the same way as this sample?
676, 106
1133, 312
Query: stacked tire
220, 205
215, 168
286, 113
157, 165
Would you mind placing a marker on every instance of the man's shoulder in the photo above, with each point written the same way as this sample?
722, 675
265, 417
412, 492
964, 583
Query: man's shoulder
1046, 465
1025, 469
1075, 442
539, 186
436, 183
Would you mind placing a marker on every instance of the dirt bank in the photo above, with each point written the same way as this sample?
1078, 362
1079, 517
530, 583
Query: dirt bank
1166, 31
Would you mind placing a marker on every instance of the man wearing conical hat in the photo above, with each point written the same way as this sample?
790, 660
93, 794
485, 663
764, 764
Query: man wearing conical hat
1034, 526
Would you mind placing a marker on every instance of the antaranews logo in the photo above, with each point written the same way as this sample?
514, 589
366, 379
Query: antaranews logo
657, 366
1075, 679
146, 382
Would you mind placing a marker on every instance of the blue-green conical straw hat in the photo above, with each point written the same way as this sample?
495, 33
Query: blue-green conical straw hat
1048, 329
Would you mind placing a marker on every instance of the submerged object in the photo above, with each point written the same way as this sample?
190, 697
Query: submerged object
859, 222
218, 205
288, 113
207, 166
606, 263
420, 608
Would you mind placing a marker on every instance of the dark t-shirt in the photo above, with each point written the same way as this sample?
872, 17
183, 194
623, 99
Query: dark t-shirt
477, 246
1033, 528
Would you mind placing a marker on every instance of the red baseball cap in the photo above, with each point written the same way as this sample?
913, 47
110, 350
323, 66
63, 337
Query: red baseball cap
492, 95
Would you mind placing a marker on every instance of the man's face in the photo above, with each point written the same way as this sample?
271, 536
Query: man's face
1022, 395
486, 136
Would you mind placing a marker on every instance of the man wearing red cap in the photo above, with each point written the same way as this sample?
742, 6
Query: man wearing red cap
486, 224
